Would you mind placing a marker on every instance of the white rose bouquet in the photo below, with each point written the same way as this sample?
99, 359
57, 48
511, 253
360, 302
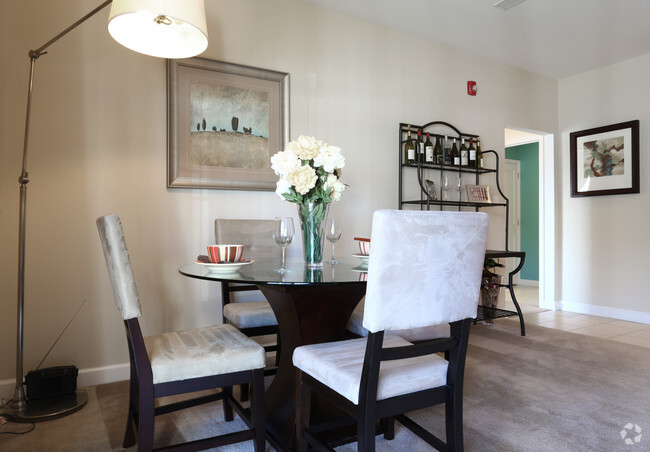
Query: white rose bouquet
309, 172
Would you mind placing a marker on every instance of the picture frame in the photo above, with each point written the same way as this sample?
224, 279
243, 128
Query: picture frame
478, 193
224, 122
605, 160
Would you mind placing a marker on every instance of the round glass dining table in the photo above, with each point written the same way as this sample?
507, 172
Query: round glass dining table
311, 306
264, 271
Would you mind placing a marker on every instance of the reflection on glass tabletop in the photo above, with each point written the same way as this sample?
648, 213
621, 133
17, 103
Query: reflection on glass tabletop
264, 271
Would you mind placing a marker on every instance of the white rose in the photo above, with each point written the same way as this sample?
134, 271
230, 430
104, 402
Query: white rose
303, 179
330, 158
306, 148
283, 162
338, 189
292, 147
330, 181
282, 186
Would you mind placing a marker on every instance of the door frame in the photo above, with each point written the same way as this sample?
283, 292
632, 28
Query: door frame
514, 216
547, 223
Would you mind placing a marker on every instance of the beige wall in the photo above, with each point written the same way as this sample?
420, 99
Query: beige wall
98, 145
605, 246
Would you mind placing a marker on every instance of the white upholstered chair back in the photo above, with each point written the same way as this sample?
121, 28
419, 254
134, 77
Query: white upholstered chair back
119, 266
424, 269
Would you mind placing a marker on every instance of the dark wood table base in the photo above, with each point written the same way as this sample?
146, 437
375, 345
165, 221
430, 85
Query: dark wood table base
306, 315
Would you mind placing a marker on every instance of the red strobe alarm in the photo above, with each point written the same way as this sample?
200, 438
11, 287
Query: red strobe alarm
471, 88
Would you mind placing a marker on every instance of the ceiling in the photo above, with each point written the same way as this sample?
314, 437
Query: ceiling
554, 38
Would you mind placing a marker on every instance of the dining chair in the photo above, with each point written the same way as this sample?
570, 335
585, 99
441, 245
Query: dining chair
250, 313
173, 363
424, 269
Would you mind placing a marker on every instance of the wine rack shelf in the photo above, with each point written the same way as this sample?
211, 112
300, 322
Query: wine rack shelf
413, 175
416, 173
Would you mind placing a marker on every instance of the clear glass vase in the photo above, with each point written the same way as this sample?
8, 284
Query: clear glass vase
313, 217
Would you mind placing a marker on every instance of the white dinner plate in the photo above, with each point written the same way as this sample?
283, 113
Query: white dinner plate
225, 267
364, 257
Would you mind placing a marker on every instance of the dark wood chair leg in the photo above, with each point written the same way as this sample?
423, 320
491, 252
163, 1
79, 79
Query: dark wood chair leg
388, 427
146, 419
258, 411
454, 423
227, 404
366, 428
129, 432
303, 408
243, 392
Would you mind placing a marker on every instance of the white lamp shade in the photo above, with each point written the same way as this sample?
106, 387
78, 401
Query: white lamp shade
160, 28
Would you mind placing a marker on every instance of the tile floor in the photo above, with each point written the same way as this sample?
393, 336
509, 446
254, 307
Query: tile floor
615, 330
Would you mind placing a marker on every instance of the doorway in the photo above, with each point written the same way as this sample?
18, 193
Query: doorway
546, 212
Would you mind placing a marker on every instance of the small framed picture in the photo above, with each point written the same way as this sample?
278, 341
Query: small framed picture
478, 193
431, 190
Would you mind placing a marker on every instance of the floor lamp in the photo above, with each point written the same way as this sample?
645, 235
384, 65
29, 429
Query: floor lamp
166, 29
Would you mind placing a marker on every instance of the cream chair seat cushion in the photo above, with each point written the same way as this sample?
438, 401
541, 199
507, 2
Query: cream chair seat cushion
249, 314
355, 325
339, 365
210, 350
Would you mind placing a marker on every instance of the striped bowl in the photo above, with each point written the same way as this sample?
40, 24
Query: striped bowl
225, 253
364, 245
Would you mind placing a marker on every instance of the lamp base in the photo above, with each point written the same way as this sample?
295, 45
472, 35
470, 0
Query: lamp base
46, 409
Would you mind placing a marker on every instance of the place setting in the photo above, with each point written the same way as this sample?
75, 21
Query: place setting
363, 254
223, 258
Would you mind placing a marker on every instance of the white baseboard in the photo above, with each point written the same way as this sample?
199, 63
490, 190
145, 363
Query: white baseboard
7, 389
605, 311
87, 377
549, 304
100, 375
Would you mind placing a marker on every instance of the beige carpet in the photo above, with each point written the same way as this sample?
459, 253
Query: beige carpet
548, 391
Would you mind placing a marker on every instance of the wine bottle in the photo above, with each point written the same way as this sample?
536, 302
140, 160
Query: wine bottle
472, 154
437, 152
409, 148
464, 154
428, 150
447, 159
479, 154
455, 155
420, 148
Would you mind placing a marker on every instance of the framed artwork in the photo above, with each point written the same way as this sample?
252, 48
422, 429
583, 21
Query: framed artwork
224, 122
605, 160
478, 193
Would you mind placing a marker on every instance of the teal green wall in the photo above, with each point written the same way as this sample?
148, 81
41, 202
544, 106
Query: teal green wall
528, 155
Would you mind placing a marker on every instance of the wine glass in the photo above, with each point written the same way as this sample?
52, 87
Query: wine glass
445, 187
459, 186
332, 234
283, 235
